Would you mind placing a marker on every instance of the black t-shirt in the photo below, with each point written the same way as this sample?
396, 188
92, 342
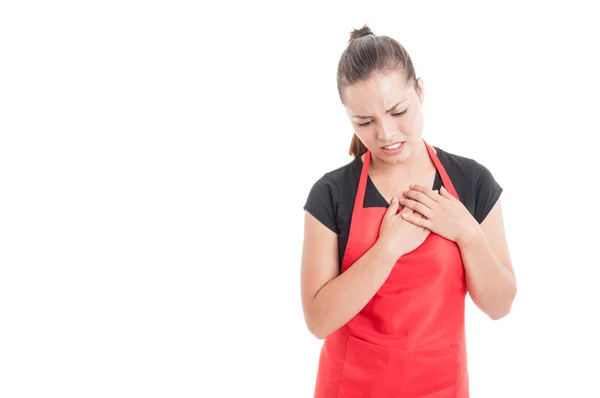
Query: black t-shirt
331, 198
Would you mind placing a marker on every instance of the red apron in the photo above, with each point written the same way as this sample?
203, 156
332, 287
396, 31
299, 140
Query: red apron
409, 340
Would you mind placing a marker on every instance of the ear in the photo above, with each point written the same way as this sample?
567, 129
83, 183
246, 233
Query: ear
421, 89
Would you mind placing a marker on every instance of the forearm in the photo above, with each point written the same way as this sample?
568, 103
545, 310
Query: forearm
343, 297
490, 283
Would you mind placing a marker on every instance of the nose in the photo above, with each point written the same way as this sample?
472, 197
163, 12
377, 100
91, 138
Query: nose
385, 131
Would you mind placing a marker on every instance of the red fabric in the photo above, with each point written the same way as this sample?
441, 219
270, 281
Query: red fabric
409, 340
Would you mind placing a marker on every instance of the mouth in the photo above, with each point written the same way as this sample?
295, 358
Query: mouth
393, 146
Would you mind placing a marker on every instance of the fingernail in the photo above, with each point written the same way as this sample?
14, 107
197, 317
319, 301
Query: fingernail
394, 199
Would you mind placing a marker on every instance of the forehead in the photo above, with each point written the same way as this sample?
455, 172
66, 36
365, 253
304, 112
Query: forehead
380, 91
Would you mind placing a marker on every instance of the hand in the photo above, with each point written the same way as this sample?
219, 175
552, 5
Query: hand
399, 235
443, 214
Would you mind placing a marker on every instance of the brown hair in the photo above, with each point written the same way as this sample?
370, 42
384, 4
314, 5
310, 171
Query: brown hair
365, 55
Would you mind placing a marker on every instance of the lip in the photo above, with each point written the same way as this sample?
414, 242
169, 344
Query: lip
393, 152
394, 143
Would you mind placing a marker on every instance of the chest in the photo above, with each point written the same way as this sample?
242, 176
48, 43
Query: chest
387, 187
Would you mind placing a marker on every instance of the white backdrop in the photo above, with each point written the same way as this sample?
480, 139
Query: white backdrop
155, 158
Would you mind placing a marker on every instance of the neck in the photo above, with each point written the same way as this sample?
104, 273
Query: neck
416, 162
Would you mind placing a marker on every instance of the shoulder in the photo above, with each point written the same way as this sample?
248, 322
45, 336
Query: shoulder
474, 182
346, 172
464, 167
326, 193
336, 178
460, 164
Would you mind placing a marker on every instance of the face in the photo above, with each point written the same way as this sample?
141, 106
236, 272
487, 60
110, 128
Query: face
386, 115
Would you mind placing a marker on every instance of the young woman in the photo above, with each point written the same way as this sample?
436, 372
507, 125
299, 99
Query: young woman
395, 239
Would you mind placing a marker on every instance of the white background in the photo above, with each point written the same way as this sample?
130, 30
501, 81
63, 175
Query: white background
155, 158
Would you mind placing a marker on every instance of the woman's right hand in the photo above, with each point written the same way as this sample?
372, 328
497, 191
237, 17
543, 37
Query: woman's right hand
398, 235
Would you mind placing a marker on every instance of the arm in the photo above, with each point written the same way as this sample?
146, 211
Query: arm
331, 299
489, 273
490, 276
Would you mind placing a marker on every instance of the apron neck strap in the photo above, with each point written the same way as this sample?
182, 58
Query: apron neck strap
362, 183
364, 175
443, 174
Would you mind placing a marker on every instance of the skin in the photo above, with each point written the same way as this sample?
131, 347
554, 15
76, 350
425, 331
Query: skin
383, 110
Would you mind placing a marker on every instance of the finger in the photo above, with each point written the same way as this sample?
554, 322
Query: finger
446, 194
426, 194
405, 210
417, 220
393, 207
421, 197
420, 215
417, 214
417, 207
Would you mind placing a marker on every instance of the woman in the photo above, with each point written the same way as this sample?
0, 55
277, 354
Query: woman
394, 239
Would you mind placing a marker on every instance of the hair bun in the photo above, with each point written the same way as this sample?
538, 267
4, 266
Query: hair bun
358, 33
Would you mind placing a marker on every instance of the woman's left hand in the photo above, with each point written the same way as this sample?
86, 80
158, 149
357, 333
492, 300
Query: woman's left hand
444, 214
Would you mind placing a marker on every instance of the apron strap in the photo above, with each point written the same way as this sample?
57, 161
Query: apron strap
362, 183
364, 174
440, 168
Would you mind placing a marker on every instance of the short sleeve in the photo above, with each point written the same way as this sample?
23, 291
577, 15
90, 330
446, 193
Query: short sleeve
487, 193
323, 201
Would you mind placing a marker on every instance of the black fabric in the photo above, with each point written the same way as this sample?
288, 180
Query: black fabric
331, 198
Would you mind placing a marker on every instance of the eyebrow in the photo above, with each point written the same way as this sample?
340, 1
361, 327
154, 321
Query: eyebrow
389, 110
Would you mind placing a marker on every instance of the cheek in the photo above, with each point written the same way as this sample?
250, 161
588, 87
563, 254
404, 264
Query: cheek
411, 125
366, 136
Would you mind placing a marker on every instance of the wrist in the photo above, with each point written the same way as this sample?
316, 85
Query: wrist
389, 251
469, 235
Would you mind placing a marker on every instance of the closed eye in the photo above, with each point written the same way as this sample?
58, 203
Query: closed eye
393, 114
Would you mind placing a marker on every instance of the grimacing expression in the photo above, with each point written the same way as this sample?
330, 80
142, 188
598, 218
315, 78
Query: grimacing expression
386, 110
